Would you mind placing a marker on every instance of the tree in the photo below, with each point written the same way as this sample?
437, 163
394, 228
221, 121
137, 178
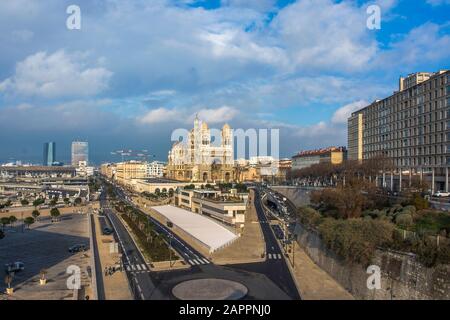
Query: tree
2, 234
35, 214
12, 219
77, 201
24, 202
28, 221
4, 221
38, 201
54, 212
66, 200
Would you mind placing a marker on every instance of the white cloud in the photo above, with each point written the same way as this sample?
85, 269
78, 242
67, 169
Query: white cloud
341, 115
325, 35
160, 115
183, 115
55, 75
427, 42
219, 115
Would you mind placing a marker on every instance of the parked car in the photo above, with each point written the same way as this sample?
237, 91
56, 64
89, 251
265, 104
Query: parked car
77, 248
14, 267
442, 194
107, 230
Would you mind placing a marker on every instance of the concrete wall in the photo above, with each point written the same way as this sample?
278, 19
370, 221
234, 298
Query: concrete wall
298, 196
402, 277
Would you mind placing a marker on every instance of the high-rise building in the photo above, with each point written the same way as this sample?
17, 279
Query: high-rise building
80, 152
410, 127
49, 153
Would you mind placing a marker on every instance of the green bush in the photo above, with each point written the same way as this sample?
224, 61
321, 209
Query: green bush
310, 217
419, 202
432, 222
153, 244
410, 208
429, 254
356, 239
404, 220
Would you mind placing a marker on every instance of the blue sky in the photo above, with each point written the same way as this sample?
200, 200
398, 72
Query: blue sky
137, 70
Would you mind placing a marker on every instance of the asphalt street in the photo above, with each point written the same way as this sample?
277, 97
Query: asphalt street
266, 280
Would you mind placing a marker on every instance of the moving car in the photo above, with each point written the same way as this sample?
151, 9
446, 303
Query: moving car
14, 267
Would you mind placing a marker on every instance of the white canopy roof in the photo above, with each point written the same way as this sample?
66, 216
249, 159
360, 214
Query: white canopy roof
208, 232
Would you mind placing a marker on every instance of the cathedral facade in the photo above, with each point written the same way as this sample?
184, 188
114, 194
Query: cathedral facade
199, 159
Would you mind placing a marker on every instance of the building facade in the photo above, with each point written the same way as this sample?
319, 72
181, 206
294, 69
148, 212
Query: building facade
228, 208
200, 159
410, 127
80, 152
155, 169
355, 137
49, 153
332, 155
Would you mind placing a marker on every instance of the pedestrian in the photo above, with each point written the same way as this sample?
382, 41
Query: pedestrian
106, 271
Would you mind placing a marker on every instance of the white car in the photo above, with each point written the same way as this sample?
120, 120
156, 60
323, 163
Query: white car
442, 194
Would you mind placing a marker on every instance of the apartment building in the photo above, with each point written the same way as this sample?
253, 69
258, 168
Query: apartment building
411, 127
307, 158
125, 171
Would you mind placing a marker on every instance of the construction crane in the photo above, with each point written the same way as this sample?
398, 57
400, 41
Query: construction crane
139, 154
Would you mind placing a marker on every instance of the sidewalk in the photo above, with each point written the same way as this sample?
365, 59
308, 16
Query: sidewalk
116, 285
250, 246
315, 283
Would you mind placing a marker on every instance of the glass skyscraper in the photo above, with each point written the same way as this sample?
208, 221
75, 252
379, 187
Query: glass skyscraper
49, 153
80, 152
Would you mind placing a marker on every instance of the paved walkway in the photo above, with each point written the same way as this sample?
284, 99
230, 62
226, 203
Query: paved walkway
115, 285
315, 283
250, 246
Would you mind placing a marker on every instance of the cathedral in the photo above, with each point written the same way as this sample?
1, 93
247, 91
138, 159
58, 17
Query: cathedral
201, 160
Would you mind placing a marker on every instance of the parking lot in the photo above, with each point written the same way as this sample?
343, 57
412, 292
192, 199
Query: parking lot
45, 246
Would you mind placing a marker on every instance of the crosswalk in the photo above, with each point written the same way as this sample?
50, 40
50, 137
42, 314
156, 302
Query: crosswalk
274, 256
137, 267
198, 261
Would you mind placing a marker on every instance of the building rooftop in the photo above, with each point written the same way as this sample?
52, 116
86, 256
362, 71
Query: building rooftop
206, 231
317, 152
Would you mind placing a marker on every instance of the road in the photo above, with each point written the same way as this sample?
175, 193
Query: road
98, 271
267, 280
276, 269
192, 256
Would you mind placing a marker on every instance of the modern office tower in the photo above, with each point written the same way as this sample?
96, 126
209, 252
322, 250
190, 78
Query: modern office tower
49, 153
411, 127
80, 152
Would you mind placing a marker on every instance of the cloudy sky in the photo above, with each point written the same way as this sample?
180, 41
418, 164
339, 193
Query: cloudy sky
139, 69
